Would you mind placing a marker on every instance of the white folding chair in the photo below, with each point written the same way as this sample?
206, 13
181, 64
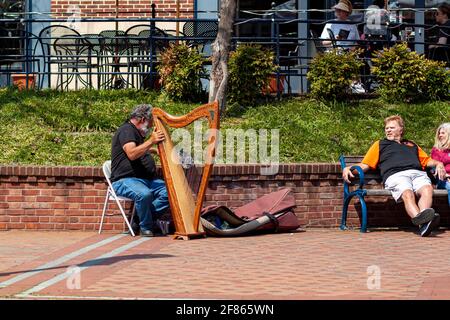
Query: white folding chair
111, 196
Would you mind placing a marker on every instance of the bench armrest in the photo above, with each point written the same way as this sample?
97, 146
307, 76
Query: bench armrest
360, 175
361, 181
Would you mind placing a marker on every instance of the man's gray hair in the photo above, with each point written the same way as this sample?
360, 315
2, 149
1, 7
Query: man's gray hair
142, 111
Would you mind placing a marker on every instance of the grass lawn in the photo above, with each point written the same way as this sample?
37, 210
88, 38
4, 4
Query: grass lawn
75, 128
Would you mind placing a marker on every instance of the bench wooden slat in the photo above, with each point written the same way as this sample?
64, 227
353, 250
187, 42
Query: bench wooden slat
384, 192
378, 192
351, 160
440, 192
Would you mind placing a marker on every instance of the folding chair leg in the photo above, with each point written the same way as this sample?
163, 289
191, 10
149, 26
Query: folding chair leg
105, 207
133, 211
125, 218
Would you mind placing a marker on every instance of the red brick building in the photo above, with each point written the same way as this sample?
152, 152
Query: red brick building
125, 8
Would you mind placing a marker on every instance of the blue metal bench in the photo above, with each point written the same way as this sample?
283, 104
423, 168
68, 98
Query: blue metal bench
362, 180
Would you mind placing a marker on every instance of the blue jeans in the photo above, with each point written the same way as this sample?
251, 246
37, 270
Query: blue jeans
444, 185
150, 198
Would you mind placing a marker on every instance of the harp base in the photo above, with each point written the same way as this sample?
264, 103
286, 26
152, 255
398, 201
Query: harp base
184, 236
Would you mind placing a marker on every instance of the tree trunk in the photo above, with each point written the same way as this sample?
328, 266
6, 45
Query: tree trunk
220, 54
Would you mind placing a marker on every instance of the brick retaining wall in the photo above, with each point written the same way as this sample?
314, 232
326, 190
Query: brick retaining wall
71, 198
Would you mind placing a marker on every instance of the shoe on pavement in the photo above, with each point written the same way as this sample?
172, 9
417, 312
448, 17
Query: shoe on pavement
423, 217
147, 233
425, 229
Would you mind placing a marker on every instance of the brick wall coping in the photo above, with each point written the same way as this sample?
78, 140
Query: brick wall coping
221, 170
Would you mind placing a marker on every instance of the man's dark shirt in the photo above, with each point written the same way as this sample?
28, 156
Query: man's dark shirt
444, 31
396, 157
121, 166
442, 52
392, 157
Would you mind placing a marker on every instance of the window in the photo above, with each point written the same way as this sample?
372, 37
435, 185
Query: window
10, 43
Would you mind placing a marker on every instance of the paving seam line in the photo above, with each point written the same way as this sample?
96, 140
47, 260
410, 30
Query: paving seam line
83, 266
112, 298
59, 261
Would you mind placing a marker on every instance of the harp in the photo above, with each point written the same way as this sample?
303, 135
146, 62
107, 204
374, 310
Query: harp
184, 207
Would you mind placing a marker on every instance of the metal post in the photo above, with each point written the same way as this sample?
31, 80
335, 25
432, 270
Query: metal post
152, 43
273, 30
278, 61
27, 43
117, 16
419, 34
305, 47
178, 17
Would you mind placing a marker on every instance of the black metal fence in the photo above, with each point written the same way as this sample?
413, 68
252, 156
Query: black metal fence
59, 56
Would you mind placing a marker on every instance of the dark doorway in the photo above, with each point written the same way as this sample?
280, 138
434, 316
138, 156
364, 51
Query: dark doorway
10, 43
285, 10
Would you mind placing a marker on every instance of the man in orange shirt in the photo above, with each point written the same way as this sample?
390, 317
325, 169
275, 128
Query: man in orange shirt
401, 163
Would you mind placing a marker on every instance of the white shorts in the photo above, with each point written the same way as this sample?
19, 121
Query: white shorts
406, 180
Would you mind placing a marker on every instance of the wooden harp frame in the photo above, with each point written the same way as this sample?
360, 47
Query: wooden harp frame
185, 210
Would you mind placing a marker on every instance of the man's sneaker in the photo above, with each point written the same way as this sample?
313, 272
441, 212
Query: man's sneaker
425, 229
147, 233
423, 217
357, 87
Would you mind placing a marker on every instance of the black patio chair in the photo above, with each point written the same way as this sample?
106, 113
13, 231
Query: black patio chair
441, 53
94, 48
318, 44
114, 46
143, 51
64, 47
296, 67
332, 38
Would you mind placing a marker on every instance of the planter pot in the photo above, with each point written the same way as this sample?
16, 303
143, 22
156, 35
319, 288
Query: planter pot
20, 80
273, 84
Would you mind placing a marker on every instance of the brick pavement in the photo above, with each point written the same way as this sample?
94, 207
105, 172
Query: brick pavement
311, 264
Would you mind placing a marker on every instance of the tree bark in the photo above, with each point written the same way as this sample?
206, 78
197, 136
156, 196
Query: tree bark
220, 54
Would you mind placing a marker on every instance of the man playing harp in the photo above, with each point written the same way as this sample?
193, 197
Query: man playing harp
133, 169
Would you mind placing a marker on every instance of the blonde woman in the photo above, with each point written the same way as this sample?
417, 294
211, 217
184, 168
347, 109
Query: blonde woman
441, 152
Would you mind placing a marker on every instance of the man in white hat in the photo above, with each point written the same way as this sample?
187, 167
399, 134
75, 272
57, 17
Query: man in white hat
346, 34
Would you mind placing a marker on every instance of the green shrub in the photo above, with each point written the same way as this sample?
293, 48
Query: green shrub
405, 75
331, 74
180, 70
250, 67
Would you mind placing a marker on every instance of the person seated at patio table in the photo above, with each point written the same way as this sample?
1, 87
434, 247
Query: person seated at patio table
441, 50
346, 34
401, 163
441, 152
133, 169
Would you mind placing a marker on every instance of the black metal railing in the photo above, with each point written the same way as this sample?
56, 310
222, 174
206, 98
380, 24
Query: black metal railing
61, 57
